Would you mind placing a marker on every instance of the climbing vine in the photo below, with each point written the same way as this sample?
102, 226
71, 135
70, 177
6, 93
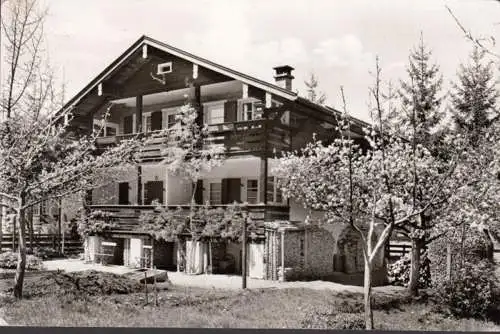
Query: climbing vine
96, 223
207, 223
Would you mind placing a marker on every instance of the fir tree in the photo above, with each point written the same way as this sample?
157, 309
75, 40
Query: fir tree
312, 94
420, 98
419, 122
475, 96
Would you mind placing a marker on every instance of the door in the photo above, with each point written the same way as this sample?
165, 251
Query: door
156, 120
256, 260
127, 124
231, 191
153, 190
123, 190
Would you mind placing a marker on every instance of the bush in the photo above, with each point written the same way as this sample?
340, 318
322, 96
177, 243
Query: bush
399, 272
8, 260
469, 294
328, 319
80, 284
45, 253
339, 315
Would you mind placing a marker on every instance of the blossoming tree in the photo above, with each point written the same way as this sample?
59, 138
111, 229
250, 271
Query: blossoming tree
365, 190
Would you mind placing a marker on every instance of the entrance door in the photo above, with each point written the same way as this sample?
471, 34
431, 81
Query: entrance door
153, 190
255, 259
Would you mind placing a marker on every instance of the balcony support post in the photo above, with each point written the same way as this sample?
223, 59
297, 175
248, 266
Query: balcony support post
264, 164
138, 129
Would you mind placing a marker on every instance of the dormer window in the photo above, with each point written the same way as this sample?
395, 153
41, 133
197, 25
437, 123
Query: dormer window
165, 68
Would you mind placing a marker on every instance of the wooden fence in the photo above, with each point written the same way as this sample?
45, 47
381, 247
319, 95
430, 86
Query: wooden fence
70, 244
398, 250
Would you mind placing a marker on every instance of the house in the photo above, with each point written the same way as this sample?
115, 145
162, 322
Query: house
141, 91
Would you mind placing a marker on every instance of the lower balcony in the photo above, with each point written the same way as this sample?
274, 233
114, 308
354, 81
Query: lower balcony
126, 217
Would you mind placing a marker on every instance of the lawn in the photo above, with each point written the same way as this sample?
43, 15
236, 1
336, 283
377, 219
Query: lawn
196, 307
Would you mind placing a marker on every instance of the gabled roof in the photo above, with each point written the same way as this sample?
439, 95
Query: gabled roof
150, 42
145, 40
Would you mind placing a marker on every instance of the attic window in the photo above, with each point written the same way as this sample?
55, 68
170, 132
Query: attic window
165, 68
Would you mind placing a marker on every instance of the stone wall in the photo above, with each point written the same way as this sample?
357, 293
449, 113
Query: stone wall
314, 252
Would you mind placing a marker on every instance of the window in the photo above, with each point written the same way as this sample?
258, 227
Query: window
146, 123
165, 68
110, 131
274, 193
252, 191
215, 193
270, 189
248, 111
43, 207
36, 209
214, 113
278, 193
171, 121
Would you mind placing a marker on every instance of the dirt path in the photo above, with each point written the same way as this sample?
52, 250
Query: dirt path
216, 281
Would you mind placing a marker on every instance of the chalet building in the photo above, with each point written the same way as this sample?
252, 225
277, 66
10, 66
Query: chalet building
141, 91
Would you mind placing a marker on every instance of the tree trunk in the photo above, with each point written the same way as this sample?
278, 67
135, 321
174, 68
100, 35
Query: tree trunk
181, 261
368, 296
4, 212
416, 248
21, 262
30, 229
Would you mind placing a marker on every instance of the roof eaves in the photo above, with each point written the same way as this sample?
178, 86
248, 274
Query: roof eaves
146, 40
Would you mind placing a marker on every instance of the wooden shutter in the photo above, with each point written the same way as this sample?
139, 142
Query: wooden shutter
224, 193
156, 121
198, 194
128, 124
230, 111
123, 189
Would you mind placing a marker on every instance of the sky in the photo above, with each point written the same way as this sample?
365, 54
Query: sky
336, 40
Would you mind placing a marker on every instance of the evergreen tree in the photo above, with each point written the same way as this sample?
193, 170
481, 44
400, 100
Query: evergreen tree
420, 98
475, 96
312, 94
419, 122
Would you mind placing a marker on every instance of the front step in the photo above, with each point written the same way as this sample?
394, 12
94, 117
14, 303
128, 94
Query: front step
148, 275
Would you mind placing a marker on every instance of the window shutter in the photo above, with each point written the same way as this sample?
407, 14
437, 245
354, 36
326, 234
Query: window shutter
230, 111
198, 193
224, 189
156, 121
128, 124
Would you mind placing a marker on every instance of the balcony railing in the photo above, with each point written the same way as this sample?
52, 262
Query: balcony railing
236, 137
127, 216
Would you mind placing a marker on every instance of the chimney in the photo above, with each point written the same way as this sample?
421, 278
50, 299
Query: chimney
283, 76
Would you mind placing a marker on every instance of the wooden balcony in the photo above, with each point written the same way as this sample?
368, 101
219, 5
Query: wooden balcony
246, 137
127, 216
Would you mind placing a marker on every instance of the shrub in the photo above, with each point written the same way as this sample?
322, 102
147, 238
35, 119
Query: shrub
339, 315
45, 253
327, 319
469, 294
80, 284
399, 272
471, 247
8, 260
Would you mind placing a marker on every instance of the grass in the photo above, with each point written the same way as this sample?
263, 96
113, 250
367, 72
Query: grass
212, 308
